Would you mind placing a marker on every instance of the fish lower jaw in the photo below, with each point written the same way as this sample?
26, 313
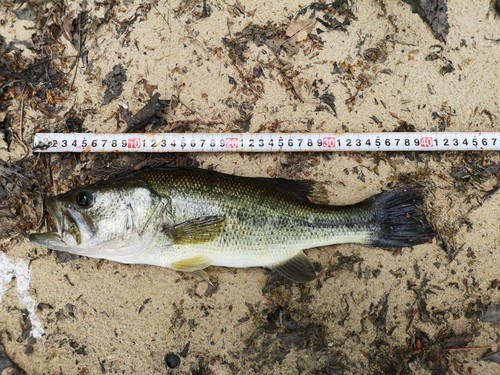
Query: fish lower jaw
51, 240
135, 254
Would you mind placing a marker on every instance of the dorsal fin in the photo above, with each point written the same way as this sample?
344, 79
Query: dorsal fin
298, 189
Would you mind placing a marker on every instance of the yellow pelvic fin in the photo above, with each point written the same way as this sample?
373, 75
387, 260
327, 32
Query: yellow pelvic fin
191, 264
202, 275
195, 231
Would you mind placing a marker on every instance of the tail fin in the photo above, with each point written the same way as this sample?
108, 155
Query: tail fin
401, 222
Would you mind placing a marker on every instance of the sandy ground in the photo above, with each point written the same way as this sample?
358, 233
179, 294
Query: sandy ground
371, 311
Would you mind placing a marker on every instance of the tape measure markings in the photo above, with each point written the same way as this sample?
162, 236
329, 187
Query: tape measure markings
266, 142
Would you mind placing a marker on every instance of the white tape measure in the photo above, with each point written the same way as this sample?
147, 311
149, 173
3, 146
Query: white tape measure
266, 142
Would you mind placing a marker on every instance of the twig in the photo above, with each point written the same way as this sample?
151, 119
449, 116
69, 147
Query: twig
25, 147
469, 347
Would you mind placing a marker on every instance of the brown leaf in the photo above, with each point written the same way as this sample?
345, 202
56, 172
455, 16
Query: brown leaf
296, 27
488, 185
150, 89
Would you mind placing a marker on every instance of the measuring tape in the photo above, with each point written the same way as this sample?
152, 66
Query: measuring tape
266, 142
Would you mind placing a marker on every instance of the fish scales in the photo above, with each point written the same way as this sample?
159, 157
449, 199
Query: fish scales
261, 221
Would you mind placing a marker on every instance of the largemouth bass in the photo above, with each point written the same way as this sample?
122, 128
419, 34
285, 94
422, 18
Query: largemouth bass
189, 219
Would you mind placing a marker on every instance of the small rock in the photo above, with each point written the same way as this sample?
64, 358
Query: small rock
172, 360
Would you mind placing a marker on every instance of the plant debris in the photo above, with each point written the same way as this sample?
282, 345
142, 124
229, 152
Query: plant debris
114, 83
7, 366
491, 315
492, 357
437, 55
150, 114
18, 196
435, 13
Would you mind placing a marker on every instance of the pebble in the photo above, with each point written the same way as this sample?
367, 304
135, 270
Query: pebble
172, 360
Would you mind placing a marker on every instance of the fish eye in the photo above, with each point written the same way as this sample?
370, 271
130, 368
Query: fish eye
85, 199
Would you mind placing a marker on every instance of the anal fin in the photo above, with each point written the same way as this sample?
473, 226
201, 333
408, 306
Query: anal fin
298, 269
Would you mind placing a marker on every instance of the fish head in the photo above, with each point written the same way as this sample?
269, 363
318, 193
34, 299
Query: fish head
113, 220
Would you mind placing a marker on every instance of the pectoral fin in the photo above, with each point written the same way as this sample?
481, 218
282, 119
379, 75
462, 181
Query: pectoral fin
298, 269
195, 231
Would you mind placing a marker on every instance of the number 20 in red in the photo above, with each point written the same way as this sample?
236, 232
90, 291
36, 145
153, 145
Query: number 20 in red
231, 142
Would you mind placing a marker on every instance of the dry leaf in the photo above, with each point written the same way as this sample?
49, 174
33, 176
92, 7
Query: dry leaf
492, 357
488, 185
299, 26
150, 89
491, 315
301, 35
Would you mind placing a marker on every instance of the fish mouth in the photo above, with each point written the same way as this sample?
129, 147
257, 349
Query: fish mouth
72, 227
52, 240
56, 213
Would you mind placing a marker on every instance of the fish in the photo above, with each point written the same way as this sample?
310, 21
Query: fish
188, 219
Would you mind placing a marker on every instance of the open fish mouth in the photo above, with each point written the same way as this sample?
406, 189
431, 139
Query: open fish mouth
53, 240
72, 228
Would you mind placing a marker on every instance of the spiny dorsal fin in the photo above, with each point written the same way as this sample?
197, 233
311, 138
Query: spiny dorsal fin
195, 231
191, 264
298, 269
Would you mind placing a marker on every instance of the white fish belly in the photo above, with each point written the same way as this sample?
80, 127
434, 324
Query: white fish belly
244, 252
